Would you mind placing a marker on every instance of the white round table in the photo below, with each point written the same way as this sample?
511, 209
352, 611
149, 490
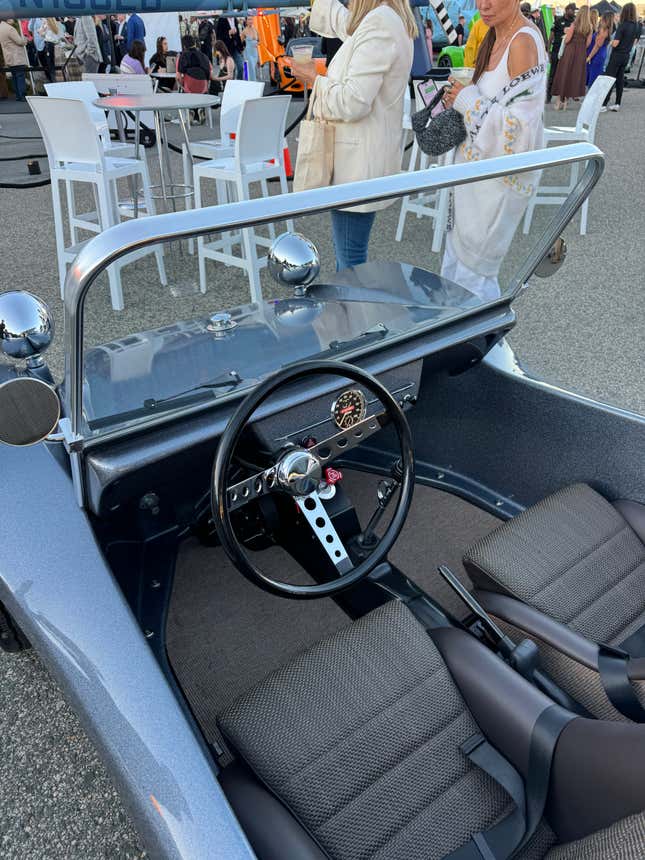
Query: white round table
158, 104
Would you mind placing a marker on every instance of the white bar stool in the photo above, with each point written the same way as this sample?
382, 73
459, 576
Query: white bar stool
584, 130
76, 154
258, 156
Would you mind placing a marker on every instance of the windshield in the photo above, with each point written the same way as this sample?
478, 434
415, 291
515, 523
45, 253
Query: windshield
185, 324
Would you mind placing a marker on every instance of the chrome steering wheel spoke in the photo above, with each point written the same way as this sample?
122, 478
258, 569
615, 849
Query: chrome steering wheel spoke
251, 488
339, 443
323, 528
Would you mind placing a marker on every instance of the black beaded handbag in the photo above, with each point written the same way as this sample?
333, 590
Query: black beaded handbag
438, 135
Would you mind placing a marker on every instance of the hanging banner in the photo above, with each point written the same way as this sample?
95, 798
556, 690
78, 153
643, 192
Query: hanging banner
75, 8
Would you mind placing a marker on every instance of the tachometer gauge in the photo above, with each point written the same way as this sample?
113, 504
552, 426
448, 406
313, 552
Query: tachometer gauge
349, 408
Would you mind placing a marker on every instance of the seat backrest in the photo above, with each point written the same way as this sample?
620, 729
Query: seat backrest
235, 93
84, 91
591, 104
130, 85
260, 130
68, 131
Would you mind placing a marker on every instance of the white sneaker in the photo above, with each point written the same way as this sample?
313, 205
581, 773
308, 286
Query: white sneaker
614, 107
603, 109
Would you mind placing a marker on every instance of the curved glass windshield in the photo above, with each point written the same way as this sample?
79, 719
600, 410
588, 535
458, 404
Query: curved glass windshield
184, 324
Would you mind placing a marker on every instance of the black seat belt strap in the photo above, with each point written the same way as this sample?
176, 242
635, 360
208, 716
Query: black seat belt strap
507, 837
613, 669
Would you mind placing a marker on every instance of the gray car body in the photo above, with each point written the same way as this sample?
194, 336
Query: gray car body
55, 582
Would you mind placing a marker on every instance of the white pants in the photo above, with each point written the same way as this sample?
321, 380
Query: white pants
453, 269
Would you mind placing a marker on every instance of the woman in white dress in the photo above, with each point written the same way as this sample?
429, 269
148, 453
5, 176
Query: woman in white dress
502, 111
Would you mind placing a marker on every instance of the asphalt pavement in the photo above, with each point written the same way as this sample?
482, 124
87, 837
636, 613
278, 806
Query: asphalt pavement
582, 329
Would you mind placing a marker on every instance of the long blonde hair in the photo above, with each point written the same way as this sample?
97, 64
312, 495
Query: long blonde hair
52, 23
582, 24
360, 8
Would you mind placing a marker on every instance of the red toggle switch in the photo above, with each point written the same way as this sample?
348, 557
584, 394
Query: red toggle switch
333, 476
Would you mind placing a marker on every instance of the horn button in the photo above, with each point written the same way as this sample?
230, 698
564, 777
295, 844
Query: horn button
299, 472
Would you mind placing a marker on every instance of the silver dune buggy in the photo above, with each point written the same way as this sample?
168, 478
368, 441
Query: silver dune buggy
228, 541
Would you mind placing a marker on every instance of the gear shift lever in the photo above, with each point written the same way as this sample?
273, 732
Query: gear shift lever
384, 493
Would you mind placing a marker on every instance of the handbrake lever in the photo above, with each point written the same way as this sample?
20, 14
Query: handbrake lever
523, 657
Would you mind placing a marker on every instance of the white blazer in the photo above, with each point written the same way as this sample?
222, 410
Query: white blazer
363, 92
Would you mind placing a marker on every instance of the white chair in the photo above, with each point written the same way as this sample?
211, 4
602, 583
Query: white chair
428, 204
124, 85
86, 92
258, 156
76, 154
235, 94
584, 130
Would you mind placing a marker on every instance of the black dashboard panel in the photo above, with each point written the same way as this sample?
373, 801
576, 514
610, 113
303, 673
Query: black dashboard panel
176, 459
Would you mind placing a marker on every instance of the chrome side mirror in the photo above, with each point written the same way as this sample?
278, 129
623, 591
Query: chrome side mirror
29, 411
551, 262
294, 261
26, 327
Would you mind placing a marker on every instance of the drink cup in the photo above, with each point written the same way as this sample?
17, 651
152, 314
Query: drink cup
464, 76
302, 53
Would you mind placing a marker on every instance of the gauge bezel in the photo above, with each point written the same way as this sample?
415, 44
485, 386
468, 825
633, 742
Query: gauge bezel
356, 417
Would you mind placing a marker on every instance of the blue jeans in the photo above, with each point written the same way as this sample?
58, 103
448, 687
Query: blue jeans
351, 234
19, 82
238, 59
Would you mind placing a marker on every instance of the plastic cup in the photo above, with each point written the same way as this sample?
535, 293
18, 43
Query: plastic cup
302, 53
463, 76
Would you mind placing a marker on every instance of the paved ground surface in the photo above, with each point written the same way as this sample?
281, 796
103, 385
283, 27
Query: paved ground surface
583, 329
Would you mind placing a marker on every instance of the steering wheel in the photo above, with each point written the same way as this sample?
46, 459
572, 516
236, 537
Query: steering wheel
298, 471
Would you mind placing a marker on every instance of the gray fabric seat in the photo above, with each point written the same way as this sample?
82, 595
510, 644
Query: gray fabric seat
356, 744
359, 737
577, 564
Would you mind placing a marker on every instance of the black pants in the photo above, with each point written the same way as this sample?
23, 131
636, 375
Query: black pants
553, 65
47, 58
616, 69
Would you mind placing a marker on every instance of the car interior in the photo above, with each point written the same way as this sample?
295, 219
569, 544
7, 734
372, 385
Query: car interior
402, 626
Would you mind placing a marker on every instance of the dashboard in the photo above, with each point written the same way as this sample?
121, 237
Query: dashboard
174, 461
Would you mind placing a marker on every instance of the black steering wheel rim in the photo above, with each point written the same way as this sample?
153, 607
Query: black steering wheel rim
226, 450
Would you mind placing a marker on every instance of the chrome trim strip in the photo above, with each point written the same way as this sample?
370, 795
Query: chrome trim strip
125, 238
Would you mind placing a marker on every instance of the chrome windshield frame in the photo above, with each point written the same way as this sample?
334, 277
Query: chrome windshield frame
116, 242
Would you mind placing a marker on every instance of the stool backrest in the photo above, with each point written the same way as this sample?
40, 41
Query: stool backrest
260, 130
84, 91
235, 93
68, 131
591, 104
126, 85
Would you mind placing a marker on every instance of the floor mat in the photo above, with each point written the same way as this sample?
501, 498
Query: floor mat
224, 634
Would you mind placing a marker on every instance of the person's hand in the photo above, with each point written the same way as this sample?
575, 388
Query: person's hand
451, 92
305, 72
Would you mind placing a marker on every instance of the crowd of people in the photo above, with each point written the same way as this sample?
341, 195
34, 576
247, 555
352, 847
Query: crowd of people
117, 43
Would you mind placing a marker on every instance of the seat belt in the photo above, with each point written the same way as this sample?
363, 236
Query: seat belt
613, 664
507, 837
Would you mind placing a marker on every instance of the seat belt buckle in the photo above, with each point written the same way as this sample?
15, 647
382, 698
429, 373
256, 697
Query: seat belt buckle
524, 658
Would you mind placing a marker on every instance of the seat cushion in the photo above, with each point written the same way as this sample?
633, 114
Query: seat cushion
572, 556
624, 840
359, 737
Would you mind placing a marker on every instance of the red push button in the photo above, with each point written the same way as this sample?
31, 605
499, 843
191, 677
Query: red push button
333, 476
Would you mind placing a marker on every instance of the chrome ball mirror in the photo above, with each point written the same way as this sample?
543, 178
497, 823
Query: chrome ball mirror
26, 326
551, 262
294, 261
29, 411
